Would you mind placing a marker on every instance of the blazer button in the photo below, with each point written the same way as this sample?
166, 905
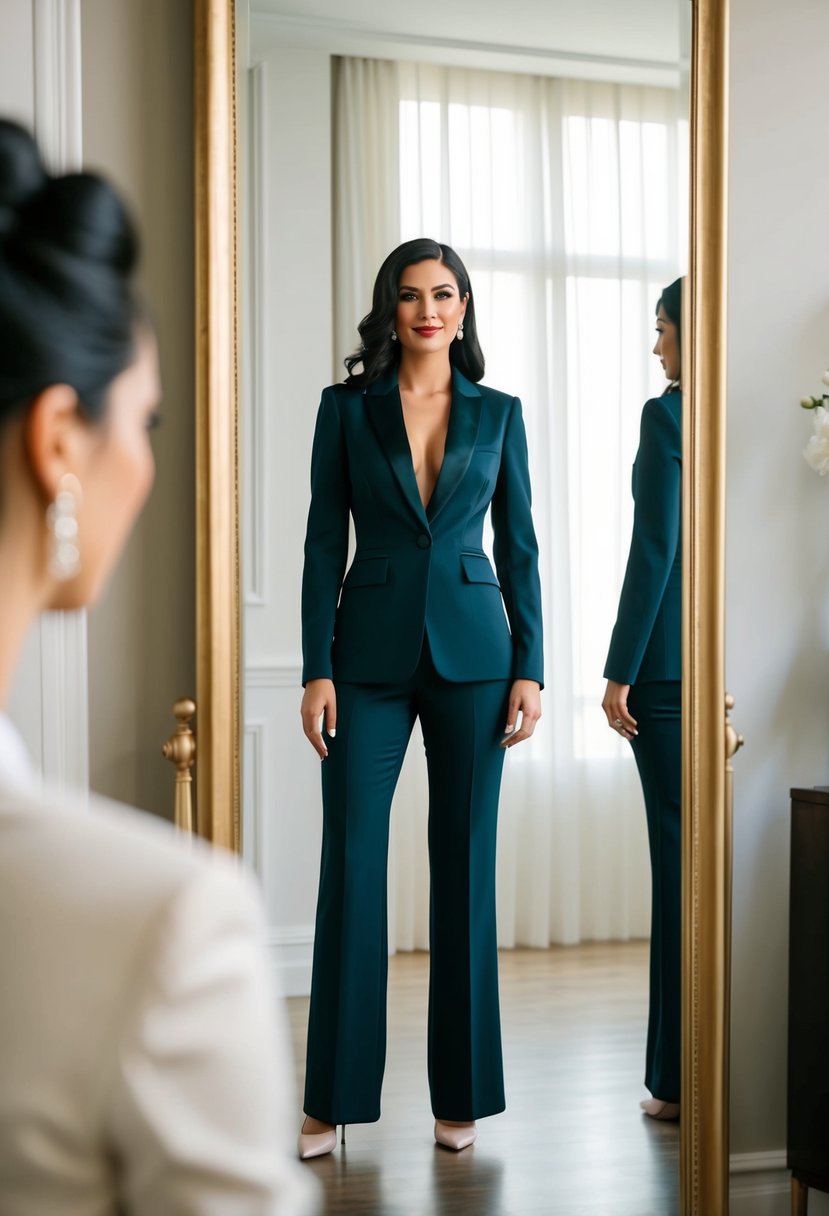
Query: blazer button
423, 541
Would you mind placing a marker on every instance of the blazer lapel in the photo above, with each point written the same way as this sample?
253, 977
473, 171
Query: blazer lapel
464, 420
386, 416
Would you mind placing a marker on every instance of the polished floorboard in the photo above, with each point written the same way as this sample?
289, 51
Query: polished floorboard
572, 1142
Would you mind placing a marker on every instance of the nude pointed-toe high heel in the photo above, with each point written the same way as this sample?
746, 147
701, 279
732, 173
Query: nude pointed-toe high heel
317, 1144
455, 1138
657, 1109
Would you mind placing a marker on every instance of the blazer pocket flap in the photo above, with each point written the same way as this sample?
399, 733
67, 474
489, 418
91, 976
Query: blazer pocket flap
476, 569
367, 572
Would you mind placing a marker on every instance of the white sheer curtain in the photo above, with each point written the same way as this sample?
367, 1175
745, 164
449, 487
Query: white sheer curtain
562, 198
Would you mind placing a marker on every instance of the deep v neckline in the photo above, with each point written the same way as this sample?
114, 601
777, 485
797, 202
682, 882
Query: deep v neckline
426, 503
385, 412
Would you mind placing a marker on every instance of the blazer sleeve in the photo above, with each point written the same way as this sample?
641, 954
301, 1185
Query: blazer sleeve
515, 551
326, 540
656, 525
199, 1107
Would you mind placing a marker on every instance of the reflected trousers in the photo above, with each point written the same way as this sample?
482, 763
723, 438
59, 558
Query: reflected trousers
462, 727
658, 750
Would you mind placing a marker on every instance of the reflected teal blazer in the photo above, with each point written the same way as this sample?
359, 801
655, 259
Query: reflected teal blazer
419, 570
647, 639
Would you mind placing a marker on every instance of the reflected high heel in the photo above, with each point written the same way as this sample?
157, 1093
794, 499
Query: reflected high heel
456, 1138
317, 1144
657, 1109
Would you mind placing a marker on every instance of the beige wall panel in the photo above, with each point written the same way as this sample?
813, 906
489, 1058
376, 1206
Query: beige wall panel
137, 118
17, 61
777, 632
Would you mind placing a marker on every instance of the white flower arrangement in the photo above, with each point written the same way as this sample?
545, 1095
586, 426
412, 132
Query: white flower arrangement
816, 452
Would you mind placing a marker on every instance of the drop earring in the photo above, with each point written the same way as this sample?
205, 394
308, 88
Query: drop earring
62, 520
459, 334
394, 335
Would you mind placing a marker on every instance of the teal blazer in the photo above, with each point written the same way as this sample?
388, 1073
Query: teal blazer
419, 570
647, 639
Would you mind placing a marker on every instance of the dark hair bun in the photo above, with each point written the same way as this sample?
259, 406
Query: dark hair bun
67, 252
22, 172
83, 215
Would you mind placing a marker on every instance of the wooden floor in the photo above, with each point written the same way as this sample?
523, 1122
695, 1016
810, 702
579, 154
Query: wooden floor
572, 1141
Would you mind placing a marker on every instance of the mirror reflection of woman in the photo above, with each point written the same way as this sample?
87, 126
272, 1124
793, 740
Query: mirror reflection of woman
644, 692
417, 452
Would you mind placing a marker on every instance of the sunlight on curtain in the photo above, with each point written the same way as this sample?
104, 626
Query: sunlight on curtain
562, 198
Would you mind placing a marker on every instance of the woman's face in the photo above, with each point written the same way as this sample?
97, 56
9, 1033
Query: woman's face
429, 308
667, 346
115, 470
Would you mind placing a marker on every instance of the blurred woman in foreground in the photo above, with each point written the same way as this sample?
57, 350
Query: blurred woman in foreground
141, 1068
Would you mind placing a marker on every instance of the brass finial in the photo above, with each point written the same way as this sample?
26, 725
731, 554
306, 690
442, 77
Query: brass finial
180, 750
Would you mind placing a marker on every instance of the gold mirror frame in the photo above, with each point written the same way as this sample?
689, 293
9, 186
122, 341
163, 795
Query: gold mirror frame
706, 886
218, 620
706, 809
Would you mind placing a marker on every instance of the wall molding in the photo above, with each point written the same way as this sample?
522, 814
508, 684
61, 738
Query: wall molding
343, 37
759, 1184
58, 124
57, 82
292, 950
257, 582
273, 675
253, 792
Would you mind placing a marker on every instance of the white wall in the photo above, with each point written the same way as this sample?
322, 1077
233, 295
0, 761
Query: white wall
287, 340
778, 555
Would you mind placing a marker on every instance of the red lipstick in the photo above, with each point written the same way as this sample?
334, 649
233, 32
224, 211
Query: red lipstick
426, 331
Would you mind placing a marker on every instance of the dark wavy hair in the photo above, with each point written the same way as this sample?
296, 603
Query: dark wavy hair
67, 252
671, 301
378, 353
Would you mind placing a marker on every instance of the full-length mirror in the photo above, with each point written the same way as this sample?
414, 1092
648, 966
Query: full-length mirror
561, 180
549, 148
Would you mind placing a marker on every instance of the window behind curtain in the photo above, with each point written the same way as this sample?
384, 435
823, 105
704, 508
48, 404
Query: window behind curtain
562, 199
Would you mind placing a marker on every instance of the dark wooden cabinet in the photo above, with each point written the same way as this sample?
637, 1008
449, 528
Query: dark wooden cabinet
808, 1076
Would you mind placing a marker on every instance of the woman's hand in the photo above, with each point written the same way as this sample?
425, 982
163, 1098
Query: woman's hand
615, 705
319, 699
524, 697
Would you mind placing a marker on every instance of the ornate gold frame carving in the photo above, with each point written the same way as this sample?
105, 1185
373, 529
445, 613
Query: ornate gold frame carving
218, 637
707, 829
706, 871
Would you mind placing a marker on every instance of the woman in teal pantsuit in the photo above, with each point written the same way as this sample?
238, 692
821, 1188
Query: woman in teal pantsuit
644, 692
416, 452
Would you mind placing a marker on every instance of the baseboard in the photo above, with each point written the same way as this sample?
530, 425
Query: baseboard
760, 1184
291, 952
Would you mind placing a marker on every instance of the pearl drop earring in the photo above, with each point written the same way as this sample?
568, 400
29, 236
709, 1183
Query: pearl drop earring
394, 335
459, 334
62, 520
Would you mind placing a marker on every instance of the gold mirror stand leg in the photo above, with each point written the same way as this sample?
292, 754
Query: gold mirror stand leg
180, 750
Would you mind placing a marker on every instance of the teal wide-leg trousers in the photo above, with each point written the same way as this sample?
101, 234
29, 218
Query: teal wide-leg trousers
462, 727
658, 750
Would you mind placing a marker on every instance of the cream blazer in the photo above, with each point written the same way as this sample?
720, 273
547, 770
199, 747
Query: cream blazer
144, 1065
